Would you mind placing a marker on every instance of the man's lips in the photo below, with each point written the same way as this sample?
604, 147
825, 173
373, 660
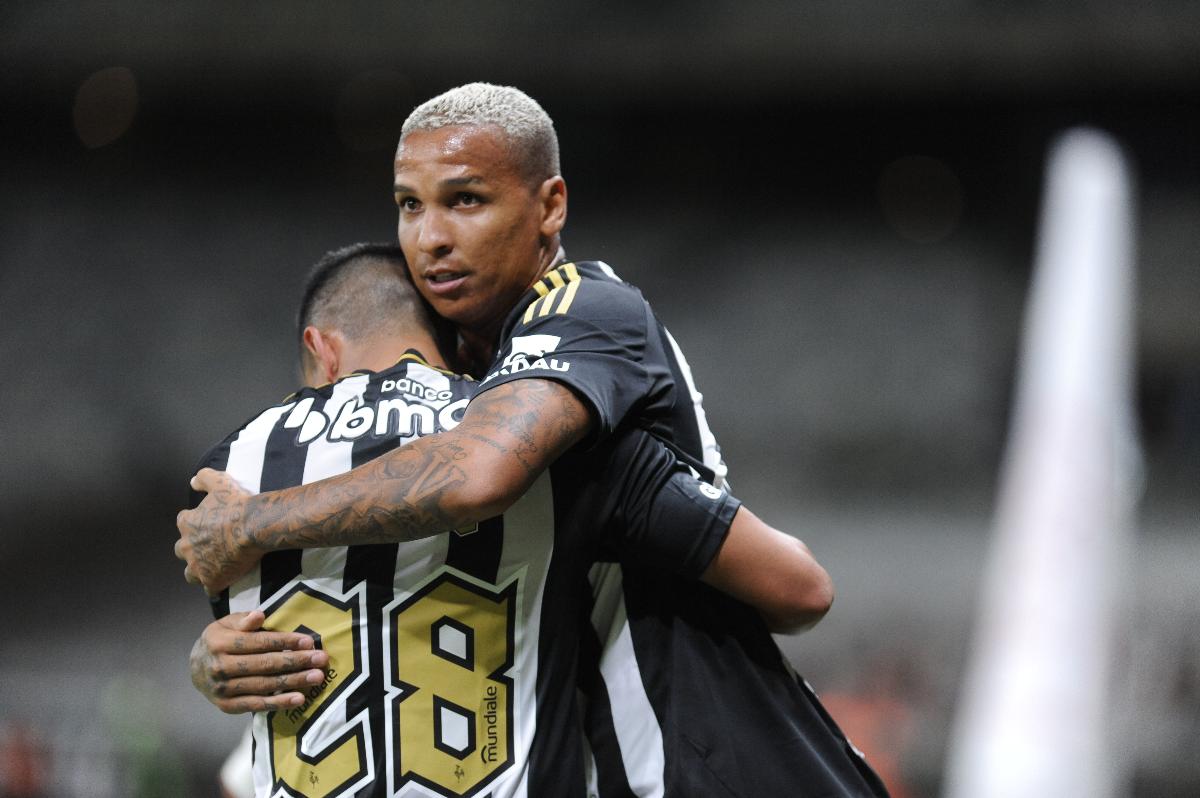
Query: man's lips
443, 283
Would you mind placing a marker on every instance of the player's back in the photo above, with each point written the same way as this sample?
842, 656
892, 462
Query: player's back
434, 685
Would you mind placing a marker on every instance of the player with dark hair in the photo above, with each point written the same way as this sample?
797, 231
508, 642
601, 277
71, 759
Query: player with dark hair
359, 307
688, 694
449, 661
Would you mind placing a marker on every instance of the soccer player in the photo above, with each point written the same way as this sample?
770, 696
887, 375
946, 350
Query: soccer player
437, 670
688, 693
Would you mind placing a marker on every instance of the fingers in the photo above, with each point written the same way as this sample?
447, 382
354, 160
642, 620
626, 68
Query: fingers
205, 479
183, 547
263, 682
258, 703
268, 686
240, 667
242, 633
209, 480
247, 621
263, 642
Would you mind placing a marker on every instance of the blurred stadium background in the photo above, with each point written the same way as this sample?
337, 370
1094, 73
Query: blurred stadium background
832, 205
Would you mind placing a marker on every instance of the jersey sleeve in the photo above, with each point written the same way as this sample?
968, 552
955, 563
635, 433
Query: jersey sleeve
591, 335
665, 516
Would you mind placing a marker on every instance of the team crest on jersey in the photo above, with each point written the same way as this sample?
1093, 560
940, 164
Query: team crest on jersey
529, 352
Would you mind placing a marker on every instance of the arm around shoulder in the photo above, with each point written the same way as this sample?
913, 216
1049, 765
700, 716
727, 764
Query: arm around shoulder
508, 436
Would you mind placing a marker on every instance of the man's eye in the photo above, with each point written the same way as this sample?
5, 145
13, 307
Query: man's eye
466, 199
408, 203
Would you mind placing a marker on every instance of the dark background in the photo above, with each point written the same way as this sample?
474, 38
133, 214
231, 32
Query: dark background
832, 205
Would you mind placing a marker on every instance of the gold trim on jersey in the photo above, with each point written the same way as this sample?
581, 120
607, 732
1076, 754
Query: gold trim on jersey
415, 358
422, 361
558, 287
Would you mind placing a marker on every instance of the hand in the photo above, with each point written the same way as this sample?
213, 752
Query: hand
212, 538
240, 668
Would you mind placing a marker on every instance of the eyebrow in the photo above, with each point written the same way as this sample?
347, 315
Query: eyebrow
452, 182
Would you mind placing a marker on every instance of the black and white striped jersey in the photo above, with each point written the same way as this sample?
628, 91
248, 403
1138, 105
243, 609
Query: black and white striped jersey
687, 692
452, 659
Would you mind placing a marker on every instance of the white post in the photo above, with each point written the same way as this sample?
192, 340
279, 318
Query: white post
1034, 715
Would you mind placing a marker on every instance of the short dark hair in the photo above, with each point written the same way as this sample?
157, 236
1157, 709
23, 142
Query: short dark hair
363, 290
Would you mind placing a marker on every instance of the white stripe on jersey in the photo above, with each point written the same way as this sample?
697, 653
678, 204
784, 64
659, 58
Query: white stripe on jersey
589, 761
261, 769
524, 559
708, 441
712, 452
638, 734
248, 449
326, 458
528, 549
245, 465
604, 267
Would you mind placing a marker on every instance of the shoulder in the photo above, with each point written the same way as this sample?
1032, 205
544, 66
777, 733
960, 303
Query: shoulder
583, 290
259, 425
576, 307
413, 375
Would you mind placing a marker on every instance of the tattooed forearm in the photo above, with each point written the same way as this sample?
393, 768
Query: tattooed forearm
400, 497
508, 436
534, 415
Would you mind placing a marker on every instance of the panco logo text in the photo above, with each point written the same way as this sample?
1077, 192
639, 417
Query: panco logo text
411, 387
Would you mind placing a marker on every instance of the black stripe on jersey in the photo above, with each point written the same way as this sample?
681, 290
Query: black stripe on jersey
478, 553
278, 568
219, 459
283, 467
611, 780
556, 763
376, 564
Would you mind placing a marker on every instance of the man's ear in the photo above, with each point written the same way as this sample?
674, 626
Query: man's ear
553, 197
326, 349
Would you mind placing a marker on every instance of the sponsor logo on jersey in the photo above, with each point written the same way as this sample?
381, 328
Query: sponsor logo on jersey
489, 752
415, 389
392, 416
528, 353
705, 488
297, 715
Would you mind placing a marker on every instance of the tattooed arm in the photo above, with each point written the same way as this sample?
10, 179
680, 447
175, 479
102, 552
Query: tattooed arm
509, 435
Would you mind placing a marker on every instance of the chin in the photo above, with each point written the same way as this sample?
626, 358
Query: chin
460, 314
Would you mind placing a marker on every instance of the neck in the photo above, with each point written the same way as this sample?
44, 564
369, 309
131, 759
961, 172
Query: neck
478, 346
378, 355
476, 350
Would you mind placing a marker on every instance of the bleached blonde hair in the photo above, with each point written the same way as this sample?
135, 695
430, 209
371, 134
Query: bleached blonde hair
530, 132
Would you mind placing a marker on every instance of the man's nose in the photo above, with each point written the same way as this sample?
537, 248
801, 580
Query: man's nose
435, 236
